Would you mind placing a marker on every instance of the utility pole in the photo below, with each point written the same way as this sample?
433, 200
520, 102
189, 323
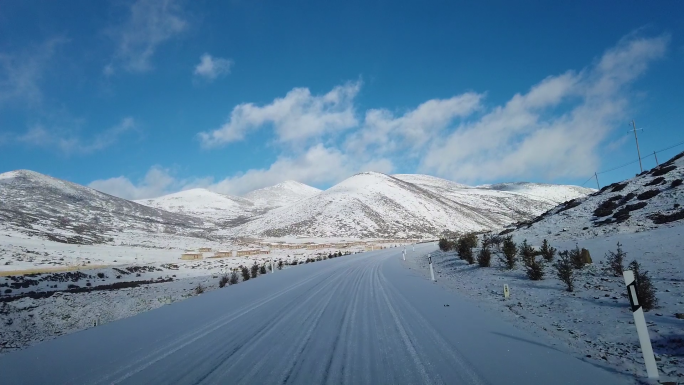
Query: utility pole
656, 157
597, 183
637, 144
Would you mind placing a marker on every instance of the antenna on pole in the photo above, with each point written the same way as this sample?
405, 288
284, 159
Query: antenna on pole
637, 144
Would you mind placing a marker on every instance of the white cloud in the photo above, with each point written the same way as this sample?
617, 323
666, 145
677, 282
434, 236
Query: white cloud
157, 182
295, 118
556, 129
21, 72
149, 24
318, 165
553, 131
68, 142
383, 132
210, 68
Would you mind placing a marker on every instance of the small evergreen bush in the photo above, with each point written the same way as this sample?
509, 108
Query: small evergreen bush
547, 251
564, 270
509, 253
615, 261
576, 258
224, 280
245, 273
254, 270
484, 257
645, 289
233, 278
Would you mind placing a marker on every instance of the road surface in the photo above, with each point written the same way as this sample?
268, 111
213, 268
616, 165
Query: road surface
358, 319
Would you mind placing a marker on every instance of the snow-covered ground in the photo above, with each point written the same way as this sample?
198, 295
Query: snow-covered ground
41, 306
595, 320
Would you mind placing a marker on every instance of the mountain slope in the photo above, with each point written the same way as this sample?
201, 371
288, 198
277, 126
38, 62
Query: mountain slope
204, 204
379, 205
282, 194
550, 192
37, 204
649, 200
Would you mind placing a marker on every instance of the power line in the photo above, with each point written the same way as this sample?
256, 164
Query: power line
632, 162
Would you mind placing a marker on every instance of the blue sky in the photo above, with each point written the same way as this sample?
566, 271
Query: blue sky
142, 98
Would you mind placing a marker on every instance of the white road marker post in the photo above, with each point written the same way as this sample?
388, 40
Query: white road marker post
272, 266
507, 292
640, 323
403, 254
432, 271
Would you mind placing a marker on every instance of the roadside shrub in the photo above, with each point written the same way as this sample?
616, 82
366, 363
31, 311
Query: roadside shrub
644, 287
223, 280
100, 275
676, 182
547, 252
465, 251
615, 261
444, 244
280, 264
262, 269
648, 194
199, 289
496, 241
233, 278
526, 252
509, 253
576, 258
564, 270
245, 273
254, 270
535, 269
484, 257
470, 239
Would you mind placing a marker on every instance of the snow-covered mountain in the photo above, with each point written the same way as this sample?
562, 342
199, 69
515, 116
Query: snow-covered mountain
204, 204
63, 211
282, 194
378, 205
647, 201
554, 193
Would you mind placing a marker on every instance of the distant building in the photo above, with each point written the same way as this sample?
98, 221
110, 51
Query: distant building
205, 249
224, 254
246, 252
191, 256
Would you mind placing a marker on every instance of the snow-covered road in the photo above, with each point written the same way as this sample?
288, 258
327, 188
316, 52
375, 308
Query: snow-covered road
359, 319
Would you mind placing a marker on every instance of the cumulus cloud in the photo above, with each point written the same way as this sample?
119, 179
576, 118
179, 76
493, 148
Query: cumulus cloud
21, 72
149, 24
552, 131
556, 129
210, 68
383, 132
156, 182
69, 142
295, 118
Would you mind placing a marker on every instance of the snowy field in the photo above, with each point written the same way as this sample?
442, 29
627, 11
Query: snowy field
65, 288
595, 321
